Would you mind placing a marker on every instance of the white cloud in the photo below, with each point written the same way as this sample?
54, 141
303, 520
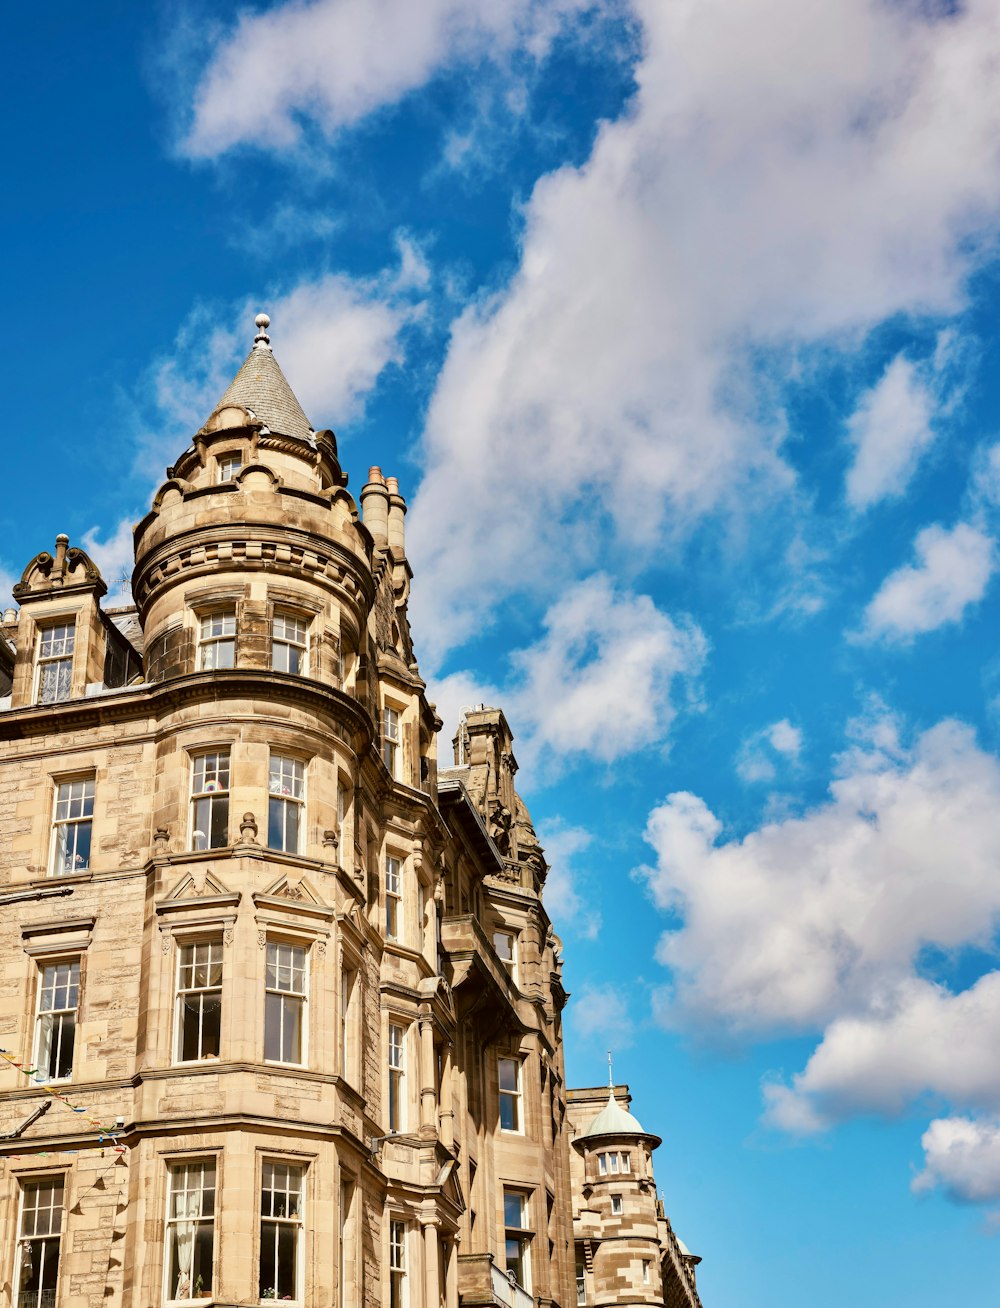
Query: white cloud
953, 570
601, 679
333, 336
8, 580
962, 1157
755, 760
809, 918
115, 557
567, 899
821, 923
451, 695
890, 430
785, 175
600, 1016
336, 61
920, 1039
986, 476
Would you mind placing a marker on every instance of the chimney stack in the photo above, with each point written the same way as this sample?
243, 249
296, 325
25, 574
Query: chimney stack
397, 511
375, 507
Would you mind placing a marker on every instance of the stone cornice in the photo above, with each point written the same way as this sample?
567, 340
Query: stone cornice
54, 720
281, 548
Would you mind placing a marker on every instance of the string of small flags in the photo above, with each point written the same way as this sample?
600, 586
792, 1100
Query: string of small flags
104, 1132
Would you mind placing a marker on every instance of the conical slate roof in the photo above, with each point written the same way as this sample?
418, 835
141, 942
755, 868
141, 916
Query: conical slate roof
613, 1120
261, 387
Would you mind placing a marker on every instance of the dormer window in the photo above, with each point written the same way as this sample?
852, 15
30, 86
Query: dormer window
54, 673
229, 465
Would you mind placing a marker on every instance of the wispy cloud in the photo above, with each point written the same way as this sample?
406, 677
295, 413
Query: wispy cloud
569, 897
605, 678
335, 62
758, 755
601, 1017
628, 380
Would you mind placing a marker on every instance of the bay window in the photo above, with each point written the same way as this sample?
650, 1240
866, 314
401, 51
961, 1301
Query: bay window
393, 898
210, 800
517, 1236
390, 740
289, 642
285, 804
281, 1227
199, 1001
397, 1264
284, 1003
397, 1077
190, 1235
217, 640
510, 1094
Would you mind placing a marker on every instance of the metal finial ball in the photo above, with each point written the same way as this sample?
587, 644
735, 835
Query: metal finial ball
262, 320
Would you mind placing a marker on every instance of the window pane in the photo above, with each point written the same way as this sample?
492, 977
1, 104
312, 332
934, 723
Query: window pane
513, 1209
286, 776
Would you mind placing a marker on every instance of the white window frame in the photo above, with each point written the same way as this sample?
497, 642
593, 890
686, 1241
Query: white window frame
217, 636
44, 1232
509, 960
63, 983
645, 1271
207, 954
602, 1164
617, 1205
398, 1241
391, 741
581, 1283
521, 1234
290, 634
394, 925
186, 1205
512, 1096
55, 650
214, 793
72, 818
228, 465
286, 797
396, 1115
626, 1163
287, 966
281, 1197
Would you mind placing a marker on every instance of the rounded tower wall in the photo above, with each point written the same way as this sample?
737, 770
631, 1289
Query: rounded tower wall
253, 548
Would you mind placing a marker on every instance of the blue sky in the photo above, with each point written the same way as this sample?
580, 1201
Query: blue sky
677, 324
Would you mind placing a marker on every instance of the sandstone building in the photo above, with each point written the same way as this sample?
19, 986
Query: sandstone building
280, 1004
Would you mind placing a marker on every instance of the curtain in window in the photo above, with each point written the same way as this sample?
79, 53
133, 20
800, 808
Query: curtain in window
186, 1206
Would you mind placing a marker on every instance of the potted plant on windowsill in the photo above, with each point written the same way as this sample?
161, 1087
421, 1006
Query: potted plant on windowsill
199, 1293
270, 1293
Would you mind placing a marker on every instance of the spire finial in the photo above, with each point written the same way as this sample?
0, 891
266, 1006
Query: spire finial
611, 1079
262, 341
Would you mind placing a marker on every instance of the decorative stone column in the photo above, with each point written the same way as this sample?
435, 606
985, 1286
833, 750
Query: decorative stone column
428, 1092
432, 1263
